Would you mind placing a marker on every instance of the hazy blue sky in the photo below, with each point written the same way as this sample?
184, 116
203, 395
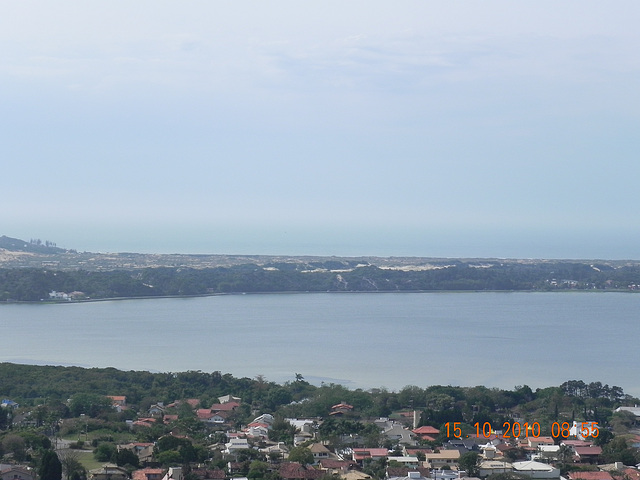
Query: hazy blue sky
429, 128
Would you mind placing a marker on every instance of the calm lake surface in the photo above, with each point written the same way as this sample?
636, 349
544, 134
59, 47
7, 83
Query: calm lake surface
360, 340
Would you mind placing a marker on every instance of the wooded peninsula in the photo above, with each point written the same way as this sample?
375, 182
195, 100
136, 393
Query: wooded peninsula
36, 271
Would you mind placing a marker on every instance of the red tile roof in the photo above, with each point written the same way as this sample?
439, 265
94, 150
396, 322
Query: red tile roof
582, 451
146, 473
426, 430
362, 453
599, 475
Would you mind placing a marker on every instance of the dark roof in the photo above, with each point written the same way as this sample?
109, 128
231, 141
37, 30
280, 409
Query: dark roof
206, 473
333, 463
294, 470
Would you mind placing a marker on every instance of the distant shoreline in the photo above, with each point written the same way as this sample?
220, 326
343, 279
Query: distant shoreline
296, 292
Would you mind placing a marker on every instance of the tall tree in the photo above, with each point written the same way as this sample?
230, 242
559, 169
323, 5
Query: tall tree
50, 466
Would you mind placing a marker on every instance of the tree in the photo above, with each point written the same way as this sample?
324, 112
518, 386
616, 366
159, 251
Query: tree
15, 445
71, 465
105, 452
4, 418
301, 455
469, 463
282, 431
126, 457
89, 404
50, 466
258, 469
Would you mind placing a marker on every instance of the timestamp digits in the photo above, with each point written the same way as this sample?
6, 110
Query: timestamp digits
517, 429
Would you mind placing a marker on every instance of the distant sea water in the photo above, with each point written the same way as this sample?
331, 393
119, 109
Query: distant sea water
360, 340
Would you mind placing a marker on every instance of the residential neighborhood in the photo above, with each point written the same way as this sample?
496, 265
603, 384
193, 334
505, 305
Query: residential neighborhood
258, 431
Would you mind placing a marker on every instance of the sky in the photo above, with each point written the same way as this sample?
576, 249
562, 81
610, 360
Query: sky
457, 128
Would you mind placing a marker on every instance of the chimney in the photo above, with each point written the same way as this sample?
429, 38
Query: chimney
416, 419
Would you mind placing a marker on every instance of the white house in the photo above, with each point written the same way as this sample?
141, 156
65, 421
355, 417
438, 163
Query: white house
236, 444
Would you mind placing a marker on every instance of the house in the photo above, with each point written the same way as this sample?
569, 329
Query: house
277, 451
408, 475
490, 467
537, 470
426, 432
144, 422
257, 430
264, 418
489, 451
109, 471
120, 400
589, 454
548, 452
354, 475
229, 398
157, 410
334, 466
144, 451
361, 454
167, 419
341, 409
6, 403
209, 473
296, 471
16, 472
224, 407
148, 474
174, 473
209, 416
634, 410
448, 458
597, 475
319, 452
53, 295
409, 462
236, 444
534, 442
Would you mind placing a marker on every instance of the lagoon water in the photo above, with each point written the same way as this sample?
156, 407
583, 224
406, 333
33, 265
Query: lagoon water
361, 340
